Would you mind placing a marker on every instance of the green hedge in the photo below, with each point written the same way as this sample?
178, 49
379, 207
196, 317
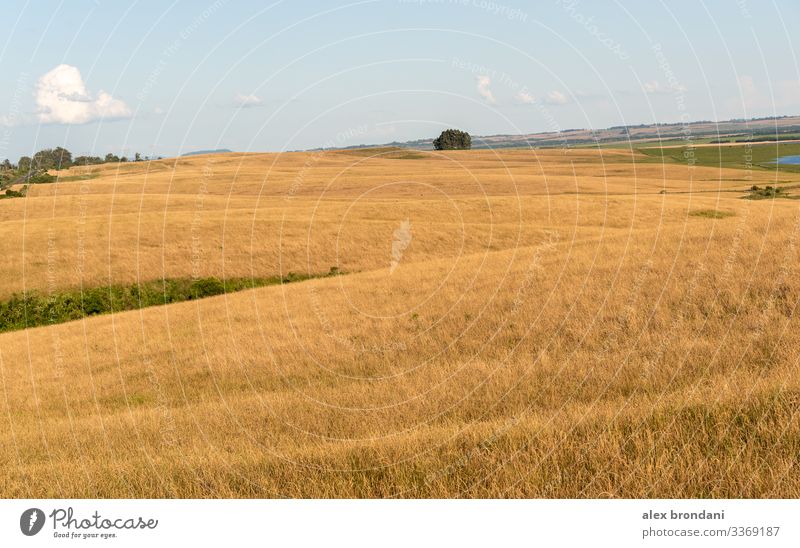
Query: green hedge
42, 178
33, 309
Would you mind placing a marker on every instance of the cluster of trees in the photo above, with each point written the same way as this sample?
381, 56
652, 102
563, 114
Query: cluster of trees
50, 158
453, 139
34, 168
61, 158
108, 159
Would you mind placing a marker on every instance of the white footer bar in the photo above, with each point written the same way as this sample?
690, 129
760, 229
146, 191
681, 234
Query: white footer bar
389, 523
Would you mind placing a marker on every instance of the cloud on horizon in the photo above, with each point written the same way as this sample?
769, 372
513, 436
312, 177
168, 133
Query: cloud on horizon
555, 97
245, 101
524, 97
654, 87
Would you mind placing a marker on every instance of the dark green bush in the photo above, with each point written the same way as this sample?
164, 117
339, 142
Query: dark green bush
206, 287
42, 178
453, 139
767, 192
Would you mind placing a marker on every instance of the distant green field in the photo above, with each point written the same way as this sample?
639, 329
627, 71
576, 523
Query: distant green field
635, 143
81, 177
759, 137
639, 143
731, 156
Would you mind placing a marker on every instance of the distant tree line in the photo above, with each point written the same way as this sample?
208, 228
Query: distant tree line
108, 159
33, 169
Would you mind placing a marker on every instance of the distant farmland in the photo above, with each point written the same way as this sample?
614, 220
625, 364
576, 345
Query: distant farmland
740, 155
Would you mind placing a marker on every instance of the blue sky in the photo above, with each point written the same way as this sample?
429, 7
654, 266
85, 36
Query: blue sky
166, 77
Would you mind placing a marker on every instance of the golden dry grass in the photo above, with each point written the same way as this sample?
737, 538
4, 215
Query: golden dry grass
556, 327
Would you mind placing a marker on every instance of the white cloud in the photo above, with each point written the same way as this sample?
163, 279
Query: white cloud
483, 88
244, 101
651, 87
62, 98
556, 98
523, 96
551, 98
654, 87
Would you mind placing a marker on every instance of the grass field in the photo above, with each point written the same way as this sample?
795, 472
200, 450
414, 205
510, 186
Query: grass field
589, 323
740, 155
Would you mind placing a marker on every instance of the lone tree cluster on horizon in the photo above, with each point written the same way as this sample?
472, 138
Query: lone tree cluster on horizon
453, 139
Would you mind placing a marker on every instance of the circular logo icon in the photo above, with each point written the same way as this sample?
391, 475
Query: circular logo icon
31, 521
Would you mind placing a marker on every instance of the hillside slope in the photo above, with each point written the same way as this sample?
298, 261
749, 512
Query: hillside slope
542, 326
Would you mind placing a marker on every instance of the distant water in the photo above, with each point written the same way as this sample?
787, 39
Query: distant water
215, 151
792, 160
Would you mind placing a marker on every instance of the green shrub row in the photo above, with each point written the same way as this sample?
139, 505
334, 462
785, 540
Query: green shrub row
42, 178
15, 193
34, 309
757, 193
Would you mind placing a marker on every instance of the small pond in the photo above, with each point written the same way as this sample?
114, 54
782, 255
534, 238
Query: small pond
790, 160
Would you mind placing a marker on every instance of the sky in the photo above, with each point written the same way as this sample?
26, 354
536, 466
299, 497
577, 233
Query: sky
168, 77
